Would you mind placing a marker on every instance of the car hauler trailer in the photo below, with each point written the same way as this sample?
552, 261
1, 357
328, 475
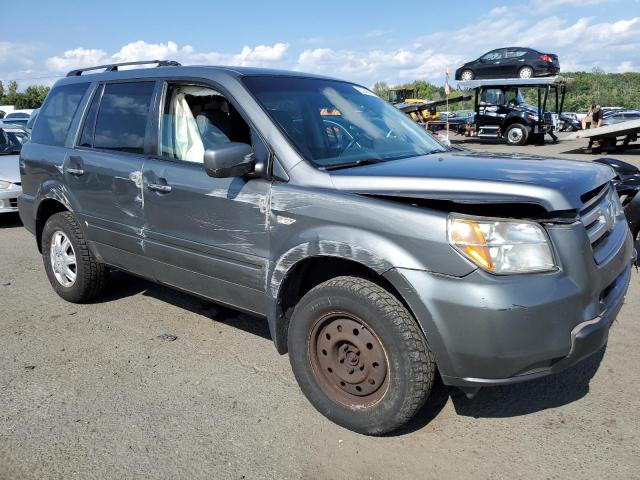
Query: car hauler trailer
611, 137
502, 112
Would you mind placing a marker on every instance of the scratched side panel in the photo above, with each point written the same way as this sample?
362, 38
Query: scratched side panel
377, 233
216, 227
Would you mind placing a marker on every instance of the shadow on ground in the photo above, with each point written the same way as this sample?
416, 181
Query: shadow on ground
122, 285
511, 400
10, 220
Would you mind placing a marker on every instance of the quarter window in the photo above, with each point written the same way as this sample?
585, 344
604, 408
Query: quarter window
122, 117
57, 113
86, 138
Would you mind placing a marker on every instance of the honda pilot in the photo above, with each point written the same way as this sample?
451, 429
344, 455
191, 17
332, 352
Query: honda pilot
379, 257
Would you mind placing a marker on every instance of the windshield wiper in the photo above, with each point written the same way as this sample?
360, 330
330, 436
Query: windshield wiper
357, 163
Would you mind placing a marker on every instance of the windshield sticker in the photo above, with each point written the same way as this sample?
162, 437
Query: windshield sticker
364, 91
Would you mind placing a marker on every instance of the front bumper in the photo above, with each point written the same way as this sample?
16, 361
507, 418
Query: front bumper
9, 198
491, 330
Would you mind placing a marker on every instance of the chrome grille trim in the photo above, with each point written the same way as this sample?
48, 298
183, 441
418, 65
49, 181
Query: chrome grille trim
597, 216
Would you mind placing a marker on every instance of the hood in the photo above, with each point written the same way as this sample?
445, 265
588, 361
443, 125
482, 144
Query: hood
10, 168
471, 177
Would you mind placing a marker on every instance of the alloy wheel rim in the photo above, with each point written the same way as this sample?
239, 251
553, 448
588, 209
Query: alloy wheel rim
525, 73
63, 259
349, 360
467, 75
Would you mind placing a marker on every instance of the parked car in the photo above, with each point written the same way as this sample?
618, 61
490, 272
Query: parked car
619, 116
18, 117
512, 62
32, 120
627, 183
569, 122
11, 140
376, 254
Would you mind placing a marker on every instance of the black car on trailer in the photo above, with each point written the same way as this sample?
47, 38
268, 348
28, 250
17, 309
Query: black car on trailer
511, 62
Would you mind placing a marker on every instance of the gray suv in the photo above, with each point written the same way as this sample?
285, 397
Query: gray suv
377, 255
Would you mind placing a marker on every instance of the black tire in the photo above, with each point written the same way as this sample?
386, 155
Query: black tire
516, 134
90, 274
410, 365
469, 74
526, 72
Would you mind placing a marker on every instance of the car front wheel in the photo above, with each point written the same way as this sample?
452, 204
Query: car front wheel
516, 134
467, 75
359, 356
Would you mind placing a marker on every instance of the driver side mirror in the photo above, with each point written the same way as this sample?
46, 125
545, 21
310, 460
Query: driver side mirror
229, 160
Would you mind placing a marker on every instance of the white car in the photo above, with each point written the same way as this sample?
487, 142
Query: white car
11, 140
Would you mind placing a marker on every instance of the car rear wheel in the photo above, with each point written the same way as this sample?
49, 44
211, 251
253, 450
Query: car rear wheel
73, 271
467, 75
359, 356
525, 72
516, 134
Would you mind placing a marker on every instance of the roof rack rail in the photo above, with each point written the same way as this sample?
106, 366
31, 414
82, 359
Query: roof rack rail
113, 67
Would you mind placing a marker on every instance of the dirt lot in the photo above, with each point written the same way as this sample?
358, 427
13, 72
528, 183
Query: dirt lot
151, 383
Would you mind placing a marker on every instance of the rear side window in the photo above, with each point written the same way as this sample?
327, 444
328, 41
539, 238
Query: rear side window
122, 117
57, 113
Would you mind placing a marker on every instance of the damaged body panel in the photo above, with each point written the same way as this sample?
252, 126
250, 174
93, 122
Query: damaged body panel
367, 245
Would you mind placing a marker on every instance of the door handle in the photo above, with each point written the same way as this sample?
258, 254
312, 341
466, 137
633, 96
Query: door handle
156, 187
76, 169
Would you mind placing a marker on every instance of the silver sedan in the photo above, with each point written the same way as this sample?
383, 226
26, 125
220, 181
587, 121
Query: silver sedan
11, 140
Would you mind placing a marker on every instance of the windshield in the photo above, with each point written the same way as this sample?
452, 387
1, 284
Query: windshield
333, 123
11, 140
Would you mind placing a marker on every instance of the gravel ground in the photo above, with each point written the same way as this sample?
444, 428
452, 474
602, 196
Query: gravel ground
152, 383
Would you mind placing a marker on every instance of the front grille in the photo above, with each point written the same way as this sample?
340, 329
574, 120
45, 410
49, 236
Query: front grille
13, 202
598, 217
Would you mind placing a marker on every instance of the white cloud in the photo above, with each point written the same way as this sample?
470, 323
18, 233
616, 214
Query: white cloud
582, 44
77, 58
259, 55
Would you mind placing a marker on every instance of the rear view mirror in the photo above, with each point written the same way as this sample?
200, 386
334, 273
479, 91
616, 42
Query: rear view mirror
229, 160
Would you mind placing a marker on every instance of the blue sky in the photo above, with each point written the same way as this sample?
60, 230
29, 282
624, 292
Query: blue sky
362, 41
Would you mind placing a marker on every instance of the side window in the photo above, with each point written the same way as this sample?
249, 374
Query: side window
495, 55
121, 122
195, 119
509, 53
89, 125
57, 113
492, 96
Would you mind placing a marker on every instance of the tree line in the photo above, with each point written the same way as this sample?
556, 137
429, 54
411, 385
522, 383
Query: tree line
32, 97
604, 89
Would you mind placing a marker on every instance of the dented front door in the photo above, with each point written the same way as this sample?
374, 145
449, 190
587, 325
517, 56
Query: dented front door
207, 235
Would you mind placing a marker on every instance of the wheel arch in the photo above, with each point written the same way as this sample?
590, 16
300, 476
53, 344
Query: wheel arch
306, 274
53, 197
46, 208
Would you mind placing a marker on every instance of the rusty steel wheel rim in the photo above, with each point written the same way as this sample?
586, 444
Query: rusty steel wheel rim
348, 359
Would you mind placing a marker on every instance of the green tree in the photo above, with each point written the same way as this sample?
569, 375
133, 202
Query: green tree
381, 89
1, 92
12, 93
32, 97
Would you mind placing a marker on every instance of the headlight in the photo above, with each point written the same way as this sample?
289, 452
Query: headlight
4, 185
501, 246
